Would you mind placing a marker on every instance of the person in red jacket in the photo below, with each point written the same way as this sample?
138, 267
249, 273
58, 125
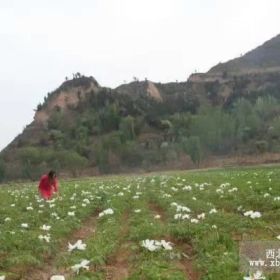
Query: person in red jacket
48, 185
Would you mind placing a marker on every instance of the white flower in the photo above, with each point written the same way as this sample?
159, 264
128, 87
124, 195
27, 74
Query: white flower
45, 227
108, 211
71, 213
256, 215
256, 276
150, 245
166, 245
153, 245
83, 264
212, 211
252, 214
24, 225
214, 226
181, 216
187, 188
278, 237
180, 208
29, 208
239, 208
13, 205
45, 237
7, 219
201, 216
233, 190
157, 216
195, 221
178, 216
2, 277
137, 210
78, 245
57, 277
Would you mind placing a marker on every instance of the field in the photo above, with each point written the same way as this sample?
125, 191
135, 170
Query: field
196, 219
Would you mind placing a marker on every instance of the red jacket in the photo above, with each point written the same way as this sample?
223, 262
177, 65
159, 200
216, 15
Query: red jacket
47, 188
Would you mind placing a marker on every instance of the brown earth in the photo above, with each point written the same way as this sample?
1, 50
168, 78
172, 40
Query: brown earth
186, 262
44, 273
117, 266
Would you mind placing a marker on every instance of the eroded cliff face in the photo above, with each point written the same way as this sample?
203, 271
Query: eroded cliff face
63, 99
153, 92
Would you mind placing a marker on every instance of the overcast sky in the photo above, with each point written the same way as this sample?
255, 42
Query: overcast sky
42, 41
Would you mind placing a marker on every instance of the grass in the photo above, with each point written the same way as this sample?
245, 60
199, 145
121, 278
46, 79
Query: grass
205, 245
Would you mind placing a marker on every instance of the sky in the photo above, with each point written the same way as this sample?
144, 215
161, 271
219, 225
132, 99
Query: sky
43, 41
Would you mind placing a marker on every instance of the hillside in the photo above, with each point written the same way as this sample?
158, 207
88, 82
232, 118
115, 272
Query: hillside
85, 128
264, 58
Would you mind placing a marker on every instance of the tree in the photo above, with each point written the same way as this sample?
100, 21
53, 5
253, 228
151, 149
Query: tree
192, 147
247, 121
39, 107
2, 170
56, 119
127, 128
261, 146
215, 129
72, 161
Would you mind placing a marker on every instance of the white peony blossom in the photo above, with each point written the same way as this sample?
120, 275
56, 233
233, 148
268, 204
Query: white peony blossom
212, 211
84, 264
150, 245
201, 216
45, 227
252, 214
108, 211
79, 245
256, 276
153, 245
45, 237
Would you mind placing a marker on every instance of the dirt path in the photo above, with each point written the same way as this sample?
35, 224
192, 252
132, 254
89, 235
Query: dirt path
186, 263
86, 230
117, 267
157, 210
